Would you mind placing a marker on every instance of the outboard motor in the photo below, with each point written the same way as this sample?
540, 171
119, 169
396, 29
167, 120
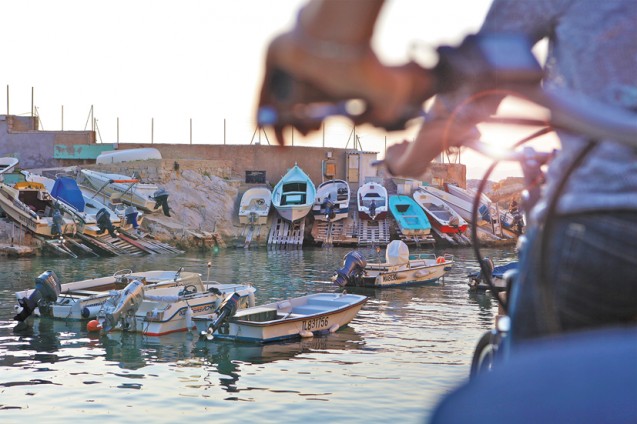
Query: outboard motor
372, 209
488, 266
125, 303
161, 199
104, 223
131, 213
58, 223
226, 310
47, 289
328, 208
353, 267
484, 213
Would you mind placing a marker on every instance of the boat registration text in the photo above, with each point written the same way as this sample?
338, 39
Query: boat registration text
316, 323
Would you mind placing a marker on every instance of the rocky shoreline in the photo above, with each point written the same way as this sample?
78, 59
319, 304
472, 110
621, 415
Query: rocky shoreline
203, 210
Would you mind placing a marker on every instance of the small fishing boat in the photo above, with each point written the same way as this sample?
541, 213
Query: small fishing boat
148, 197
150, 302
332, 201
303, 316
293, 196
399, 268
372, 201
442, 217
498, 278
410, 217
128, 155
255, 206
92, 217
470, 196
31, 205
461, 206
7, 164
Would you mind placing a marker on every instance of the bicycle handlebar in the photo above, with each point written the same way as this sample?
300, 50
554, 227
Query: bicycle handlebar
502, 61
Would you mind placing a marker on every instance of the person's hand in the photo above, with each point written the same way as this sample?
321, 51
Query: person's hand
410, 159
299, 77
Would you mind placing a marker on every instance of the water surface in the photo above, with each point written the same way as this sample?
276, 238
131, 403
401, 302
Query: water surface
406, 348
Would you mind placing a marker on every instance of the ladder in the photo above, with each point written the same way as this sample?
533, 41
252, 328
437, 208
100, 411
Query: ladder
284, 232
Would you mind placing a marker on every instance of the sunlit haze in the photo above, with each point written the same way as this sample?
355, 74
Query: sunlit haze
152, 70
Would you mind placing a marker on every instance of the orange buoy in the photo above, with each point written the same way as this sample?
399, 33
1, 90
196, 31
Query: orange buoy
93, 325
440, 260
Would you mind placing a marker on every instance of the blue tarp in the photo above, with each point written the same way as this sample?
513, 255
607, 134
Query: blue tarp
66, 190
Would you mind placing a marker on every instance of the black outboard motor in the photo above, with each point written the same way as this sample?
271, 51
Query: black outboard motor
131, 213
104, 222
161, 199
353, 267
58, 223
488, 266
47, 289
328, 208
226, 310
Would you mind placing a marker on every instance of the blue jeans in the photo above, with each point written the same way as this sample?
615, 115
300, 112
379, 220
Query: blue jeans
591, 271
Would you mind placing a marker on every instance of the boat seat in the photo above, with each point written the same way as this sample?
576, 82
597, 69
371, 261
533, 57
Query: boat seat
325, 302
310, 309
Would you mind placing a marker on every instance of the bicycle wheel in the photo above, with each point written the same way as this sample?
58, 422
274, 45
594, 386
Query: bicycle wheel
484, 354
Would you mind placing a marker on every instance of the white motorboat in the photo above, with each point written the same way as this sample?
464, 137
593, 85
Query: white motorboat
86, 212
125, 189
303, 316
441, 215
484, 209
31, 205
399, 268
149, 302
7, 164
293, 196
332, 201
372, 201
477, 281
128, 155
463, 207
255, 206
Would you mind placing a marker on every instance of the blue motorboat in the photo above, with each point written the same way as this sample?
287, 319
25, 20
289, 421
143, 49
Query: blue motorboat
411, 218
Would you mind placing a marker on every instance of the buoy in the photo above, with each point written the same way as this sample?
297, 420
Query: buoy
306, 333
93, 325
440, 260
334, 328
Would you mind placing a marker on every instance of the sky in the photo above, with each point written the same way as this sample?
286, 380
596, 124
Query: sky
189, 71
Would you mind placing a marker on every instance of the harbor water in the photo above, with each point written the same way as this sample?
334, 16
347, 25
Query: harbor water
405, 349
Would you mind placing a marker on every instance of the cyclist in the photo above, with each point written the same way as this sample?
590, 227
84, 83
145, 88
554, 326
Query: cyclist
591, 255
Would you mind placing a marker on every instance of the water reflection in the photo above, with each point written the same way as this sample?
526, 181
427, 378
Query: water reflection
50, 341
227, 357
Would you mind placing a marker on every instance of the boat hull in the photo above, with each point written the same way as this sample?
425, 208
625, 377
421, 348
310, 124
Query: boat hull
401, 270
293, 196
462, 207
20, 213
409, 216
289, 319
367, 193
338, 192
140, 196
163, 309
254, 207
439, 213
